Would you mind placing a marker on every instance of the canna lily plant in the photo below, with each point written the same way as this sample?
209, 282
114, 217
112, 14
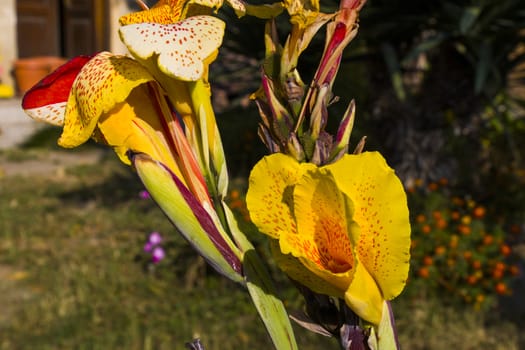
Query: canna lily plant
154, 110
337, 222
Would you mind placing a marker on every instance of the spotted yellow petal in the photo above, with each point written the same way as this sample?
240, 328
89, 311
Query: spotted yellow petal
364, 297
135, 125
382, 214
323, 216
270, 193
181, 48
297, 271
105, 81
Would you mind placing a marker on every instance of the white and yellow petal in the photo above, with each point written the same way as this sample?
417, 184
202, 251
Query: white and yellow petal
182, 48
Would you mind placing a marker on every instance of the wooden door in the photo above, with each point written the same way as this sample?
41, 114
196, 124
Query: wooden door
64, 28
84, 24
38, 28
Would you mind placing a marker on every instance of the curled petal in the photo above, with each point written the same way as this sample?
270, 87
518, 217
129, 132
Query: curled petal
103, 83
46, 101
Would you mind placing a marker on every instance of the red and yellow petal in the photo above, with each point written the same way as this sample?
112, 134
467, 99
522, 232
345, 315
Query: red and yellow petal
46, 101
103, 83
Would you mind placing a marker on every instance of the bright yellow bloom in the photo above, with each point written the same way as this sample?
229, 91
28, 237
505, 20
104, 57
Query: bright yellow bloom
340, 229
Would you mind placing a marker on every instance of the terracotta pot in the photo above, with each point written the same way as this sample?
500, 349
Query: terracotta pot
29, 71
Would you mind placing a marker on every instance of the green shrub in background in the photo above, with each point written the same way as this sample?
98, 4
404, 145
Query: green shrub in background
459, 251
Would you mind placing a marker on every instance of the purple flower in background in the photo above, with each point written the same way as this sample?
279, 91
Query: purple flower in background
153, 246
148, 247
144, 194
157, 255
155, 238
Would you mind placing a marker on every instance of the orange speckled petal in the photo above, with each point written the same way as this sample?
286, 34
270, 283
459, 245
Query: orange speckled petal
103, 82
182, 47
135, 125
297, 271
321, 241
383, 246
164, 14
270, 193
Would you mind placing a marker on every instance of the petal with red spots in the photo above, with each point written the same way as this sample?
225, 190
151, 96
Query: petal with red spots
182, 47
46, 101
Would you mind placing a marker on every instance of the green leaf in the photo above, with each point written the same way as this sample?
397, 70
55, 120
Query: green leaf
425, 46
189, 217
468, 18
483, 66
262, 291
392, 63
384, 336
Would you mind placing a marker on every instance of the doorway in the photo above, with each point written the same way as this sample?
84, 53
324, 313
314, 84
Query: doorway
64, 28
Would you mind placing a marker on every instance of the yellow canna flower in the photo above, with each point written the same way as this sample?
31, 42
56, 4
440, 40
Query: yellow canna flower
340, 229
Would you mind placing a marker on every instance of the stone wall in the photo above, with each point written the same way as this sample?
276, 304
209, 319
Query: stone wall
8, 48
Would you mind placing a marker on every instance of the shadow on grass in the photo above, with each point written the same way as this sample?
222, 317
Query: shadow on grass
47, 137
111, 191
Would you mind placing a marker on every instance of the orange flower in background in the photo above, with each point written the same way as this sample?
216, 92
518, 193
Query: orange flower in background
427, 260
505, 250
479, 212
497, 274
488, 239
464, 229
432, 186
440, 250
458, 201
501, 288
471, 279
423, 272
441, 223
476, 264
514, 270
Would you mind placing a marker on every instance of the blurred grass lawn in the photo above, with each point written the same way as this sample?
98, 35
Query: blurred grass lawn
70, 278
